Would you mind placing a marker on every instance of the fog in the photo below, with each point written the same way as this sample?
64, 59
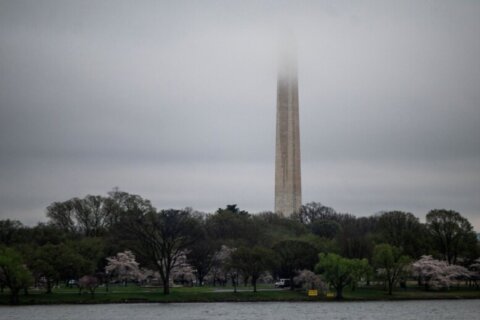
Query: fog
175, 101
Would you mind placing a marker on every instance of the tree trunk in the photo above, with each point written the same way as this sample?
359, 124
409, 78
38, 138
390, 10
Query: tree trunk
292, 286
14, 296
339, 293
254, 284
49, 287
166, 289
166, 284
234, 283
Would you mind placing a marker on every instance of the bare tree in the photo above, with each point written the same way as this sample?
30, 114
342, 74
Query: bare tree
160, 237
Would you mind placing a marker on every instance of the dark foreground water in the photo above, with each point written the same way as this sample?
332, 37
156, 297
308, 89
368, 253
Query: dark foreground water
405, 310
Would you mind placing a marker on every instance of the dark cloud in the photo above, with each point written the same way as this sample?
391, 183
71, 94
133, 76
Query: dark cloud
176, 102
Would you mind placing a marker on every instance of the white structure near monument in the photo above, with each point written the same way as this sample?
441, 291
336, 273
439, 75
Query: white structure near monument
288, 189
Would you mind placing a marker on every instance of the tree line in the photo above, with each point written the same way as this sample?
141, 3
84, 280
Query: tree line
92, 240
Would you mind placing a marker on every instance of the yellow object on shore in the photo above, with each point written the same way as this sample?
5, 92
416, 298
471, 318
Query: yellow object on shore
312, 293
330, 294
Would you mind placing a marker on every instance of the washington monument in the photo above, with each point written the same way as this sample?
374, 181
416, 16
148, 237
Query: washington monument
288, 189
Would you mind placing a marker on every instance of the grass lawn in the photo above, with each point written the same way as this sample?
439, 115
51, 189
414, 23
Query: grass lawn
133, 293
412, 293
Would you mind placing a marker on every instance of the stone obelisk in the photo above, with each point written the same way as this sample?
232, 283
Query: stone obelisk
288, 190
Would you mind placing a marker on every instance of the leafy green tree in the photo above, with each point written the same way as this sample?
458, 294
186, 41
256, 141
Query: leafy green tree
402, 230
92, 250
360, 269
93, 215
61, 215
14, 274
273, 228
452, 234
325, 228
59, 262
252, 262
9, 231
336, 270
355, 239
119, 202
201, 255
293, 256
43, 268
391, 262
90, 216
44, 233
233, 227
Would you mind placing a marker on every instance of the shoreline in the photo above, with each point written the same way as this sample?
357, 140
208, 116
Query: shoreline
101, 298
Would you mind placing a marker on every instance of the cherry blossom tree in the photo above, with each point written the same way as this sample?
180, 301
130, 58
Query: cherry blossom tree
438, 274
182, 271
89, 283
309, 280
228, 267
224, 268
475, 266
147, 275
219, 270
124, 267
266, 277
475, 273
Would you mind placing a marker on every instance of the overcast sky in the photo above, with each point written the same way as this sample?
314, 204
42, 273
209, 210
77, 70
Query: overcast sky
175, 101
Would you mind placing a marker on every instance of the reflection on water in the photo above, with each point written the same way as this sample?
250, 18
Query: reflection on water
405, 310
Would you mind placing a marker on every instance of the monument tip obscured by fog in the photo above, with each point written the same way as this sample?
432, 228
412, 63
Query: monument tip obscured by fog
288, 189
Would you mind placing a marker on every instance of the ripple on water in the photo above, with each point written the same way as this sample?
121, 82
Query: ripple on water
378, 310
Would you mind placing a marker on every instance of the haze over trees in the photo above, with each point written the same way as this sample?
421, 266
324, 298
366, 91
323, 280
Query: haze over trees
96, 240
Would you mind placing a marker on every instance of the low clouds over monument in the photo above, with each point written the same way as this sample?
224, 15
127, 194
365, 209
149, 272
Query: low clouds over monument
176, 102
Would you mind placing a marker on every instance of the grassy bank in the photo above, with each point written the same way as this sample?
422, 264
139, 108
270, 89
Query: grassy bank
132, 294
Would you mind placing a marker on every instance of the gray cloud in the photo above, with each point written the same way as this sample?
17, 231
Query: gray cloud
176, 102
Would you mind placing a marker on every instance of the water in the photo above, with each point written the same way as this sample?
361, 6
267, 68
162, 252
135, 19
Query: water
405, 310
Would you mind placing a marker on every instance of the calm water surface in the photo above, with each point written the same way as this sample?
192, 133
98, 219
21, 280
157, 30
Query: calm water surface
405, 310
